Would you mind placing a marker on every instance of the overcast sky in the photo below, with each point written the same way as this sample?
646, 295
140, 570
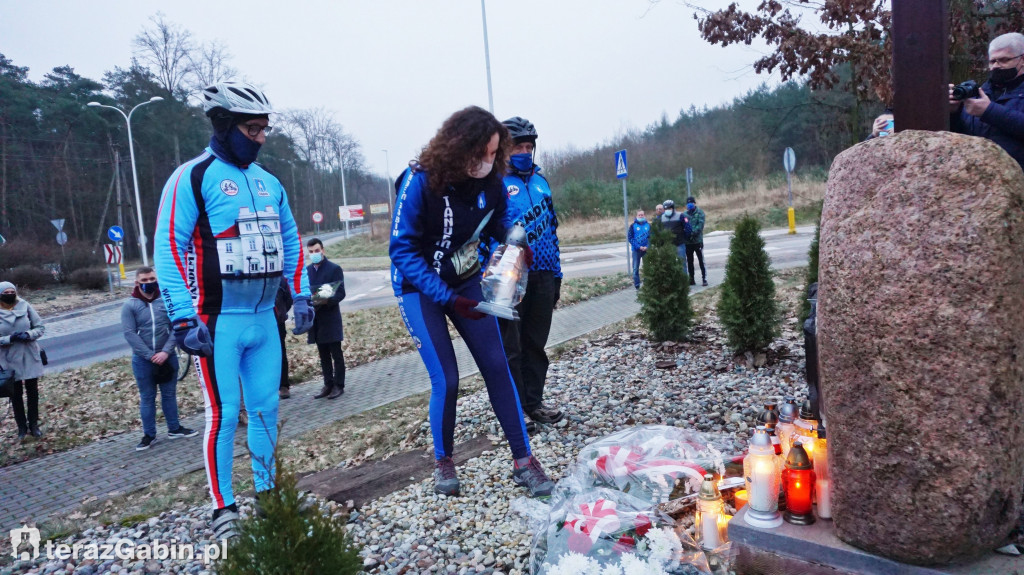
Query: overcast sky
582, 71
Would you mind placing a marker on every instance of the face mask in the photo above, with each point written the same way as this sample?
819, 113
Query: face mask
691, 206
481, 170
641, 220
316, 258
521, 162
149, 288
244, 149
1002, 75
9, 298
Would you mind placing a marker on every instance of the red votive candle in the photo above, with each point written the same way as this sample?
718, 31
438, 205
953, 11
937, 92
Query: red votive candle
798, 483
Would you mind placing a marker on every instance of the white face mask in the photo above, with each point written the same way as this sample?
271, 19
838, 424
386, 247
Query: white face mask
481, 170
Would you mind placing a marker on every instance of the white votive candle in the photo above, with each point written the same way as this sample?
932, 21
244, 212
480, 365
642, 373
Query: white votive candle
823, 491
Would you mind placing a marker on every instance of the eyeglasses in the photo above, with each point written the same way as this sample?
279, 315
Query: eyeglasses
254, 129
1002, 61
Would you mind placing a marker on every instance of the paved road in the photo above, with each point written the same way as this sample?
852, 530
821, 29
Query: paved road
87, 336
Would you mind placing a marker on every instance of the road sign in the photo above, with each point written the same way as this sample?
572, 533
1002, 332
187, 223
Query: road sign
317, 217
789, 159
689, 175
62, 238
59, 224
353, 213
621, 170
378, 209
115, 233
112, 253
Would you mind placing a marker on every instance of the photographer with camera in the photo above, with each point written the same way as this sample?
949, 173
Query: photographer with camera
996, 110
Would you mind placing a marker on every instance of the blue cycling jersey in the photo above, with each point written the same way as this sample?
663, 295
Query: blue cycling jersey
639, 234
435, 237
530, 205
224, 237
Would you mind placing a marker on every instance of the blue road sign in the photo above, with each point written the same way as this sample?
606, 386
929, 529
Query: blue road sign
620, 165
115, 234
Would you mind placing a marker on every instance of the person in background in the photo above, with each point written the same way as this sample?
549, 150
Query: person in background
673, 221
997, 113
881, 126
327, 284
658, 211
283, 303
446, 202
20, 327
154, 361
639, 238
528, 201
693, 227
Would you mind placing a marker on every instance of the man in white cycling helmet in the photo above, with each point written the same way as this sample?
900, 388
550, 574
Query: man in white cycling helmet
225, 236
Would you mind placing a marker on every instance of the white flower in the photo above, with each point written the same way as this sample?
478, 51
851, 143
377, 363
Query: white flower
575, 564
325, 291
666, 549
633, 565
611, 570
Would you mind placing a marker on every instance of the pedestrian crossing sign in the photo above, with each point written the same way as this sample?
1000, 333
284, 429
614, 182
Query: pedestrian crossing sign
620, 164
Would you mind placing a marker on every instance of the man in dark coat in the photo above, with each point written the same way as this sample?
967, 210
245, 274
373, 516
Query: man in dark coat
327, 284
283, 303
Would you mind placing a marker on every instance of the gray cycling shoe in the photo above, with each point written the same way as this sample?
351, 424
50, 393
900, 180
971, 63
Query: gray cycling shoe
446, 482
528, 472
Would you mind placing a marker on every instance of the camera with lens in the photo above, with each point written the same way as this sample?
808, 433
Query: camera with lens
968, 89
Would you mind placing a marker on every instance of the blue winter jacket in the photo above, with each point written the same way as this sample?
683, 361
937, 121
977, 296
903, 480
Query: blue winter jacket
224, 237
530, 205
639, 234
435, 238
1002, 122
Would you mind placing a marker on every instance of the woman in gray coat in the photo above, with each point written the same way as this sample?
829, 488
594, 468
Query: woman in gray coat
20, 327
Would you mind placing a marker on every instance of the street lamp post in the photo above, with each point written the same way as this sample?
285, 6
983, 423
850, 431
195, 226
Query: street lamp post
135, 175
487, 58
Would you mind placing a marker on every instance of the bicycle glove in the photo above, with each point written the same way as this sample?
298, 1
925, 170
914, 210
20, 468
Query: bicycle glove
466, 308
193, 336
303, 315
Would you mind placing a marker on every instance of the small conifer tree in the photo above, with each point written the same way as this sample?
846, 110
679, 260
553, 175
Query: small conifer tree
812, 274
289, 539
747, 308
665, 293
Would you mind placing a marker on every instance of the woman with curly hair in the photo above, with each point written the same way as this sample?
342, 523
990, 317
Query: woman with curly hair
446, 202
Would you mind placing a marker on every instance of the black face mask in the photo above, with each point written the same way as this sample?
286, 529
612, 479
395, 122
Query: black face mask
9, 298
1002, 76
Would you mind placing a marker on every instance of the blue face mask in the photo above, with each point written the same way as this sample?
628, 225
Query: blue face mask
691, 207
641, 220
316, 258
521, 162
245, 150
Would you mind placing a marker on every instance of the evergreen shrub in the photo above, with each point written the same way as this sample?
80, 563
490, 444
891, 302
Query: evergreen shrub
665, 292
747, 308
290, 539
812, 275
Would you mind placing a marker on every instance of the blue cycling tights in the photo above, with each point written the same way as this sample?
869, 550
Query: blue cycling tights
426, 321
246, 347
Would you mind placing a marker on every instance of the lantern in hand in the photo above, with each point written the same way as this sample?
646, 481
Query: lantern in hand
762, 473
709, 510
798, 483
504, 281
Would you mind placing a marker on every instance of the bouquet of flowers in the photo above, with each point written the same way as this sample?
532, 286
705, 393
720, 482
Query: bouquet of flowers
610, 532
325, 292
655, 462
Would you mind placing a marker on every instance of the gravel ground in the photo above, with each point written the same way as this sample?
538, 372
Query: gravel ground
605, 385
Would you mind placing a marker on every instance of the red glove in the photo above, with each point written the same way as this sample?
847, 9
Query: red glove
465, 307
527, 255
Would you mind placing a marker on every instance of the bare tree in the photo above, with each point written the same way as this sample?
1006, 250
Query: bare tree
208, 64
166, 49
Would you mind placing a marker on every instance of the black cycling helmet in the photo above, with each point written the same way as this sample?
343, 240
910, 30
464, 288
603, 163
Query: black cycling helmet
521, 130
668, 205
